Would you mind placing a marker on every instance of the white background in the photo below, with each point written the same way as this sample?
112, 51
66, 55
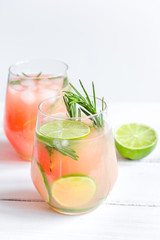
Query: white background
115, 43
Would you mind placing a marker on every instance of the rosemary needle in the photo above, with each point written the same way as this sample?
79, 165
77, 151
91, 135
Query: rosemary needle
88, 107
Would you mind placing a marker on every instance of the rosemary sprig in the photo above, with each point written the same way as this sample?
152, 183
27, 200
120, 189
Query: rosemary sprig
20, 80
66, 151
50, 151
39, 74
15, 82
79, 113
55, 77
65, 82
24, 74
37, 78
87, 106
57, 145
71, 108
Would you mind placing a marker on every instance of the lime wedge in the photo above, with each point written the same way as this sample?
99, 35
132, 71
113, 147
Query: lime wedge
73, 191
135, 141
65, 129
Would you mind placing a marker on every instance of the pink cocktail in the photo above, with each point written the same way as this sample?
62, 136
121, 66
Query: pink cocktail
74, 164
29, 83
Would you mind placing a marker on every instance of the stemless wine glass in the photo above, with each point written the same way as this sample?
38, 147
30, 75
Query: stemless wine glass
29, 83
74, 163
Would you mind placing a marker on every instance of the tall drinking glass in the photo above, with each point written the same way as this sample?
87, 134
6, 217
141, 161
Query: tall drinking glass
28, 84
74, 164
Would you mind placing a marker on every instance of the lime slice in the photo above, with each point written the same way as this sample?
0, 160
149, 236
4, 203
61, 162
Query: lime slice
40, 181
73, 191
135, 141
65, 129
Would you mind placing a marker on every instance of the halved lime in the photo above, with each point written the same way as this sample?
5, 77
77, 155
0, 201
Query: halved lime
73, 191
135, 141
65, 129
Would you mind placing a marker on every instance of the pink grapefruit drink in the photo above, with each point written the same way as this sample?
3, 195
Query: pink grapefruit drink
74, 162
25, 91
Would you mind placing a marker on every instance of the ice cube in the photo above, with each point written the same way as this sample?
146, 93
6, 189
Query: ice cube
11, 90
28, 83
65, 143
47, 93
17, 87
28, 96
55, 87
31, 88
44, 81
41, 89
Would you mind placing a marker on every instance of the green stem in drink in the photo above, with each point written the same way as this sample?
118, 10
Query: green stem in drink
26, 75
65, 82
29, 122
15, 82
39, 74
50, 151
55, 77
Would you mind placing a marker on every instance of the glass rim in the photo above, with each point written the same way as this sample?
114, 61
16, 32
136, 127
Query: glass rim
34, 60
75, 118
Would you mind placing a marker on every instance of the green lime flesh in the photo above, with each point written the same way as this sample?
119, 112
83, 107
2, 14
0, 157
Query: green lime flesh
62, 130
73, 191
135, 141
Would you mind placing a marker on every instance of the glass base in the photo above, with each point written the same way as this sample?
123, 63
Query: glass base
72, 213
25, 157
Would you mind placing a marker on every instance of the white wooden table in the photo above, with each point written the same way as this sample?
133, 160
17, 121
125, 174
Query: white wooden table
132, 210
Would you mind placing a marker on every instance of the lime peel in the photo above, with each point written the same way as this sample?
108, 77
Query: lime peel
40, 180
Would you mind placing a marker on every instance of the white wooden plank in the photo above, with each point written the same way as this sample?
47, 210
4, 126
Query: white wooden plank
35, 221
137, 183
133, 210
